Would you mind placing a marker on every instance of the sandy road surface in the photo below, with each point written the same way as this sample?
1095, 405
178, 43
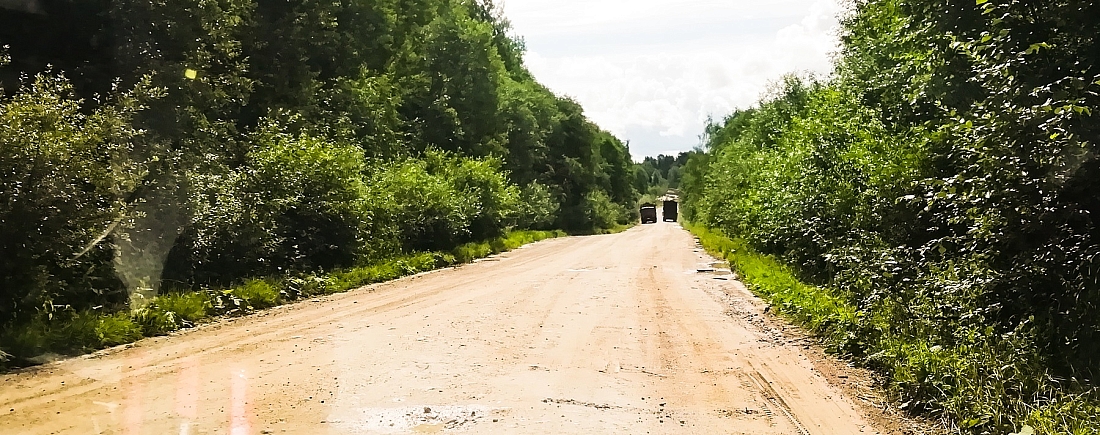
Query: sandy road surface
614, 334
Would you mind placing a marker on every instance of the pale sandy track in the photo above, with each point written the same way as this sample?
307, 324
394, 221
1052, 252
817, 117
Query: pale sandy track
614, 334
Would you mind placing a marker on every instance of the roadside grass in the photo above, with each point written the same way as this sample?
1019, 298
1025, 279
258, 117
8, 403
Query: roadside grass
116, 329
187, 306
72, 333
618, 228
258, 294
812, 307
69, 333
979, 385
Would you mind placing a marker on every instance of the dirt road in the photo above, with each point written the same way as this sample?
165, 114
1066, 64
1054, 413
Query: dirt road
616, 334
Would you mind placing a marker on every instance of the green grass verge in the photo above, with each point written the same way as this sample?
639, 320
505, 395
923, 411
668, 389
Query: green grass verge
72, 333
813, 307
618, 228
973, 387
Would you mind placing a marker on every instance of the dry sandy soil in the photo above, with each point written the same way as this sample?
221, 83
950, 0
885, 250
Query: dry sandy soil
615, 334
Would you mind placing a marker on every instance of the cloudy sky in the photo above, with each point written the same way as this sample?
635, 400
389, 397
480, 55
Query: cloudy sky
651, 71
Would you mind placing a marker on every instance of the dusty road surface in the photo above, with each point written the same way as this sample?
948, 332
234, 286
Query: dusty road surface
616, 334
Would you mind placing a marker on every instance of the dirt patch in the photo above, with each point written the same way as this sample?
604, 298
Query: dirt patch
578, 335
858, 383
579, 403
419, 419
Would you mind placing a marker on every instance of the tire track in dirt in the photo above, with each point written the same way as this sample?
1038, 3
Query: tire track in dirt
582, 335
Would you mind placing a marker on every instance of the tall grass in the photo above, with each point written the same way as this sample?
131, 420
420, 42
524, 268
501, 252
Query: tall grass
72, 333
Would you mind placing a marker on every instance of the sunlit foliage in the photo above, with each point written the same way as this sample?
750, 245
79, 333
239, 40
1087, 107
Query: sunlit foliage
942, 182
181, 144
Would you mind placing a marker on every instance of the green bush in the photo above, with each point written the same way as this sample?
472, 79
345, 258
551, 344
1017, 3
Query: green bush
64, 172
190, 307
380, 271
425, 208
493, 201
595, 212
273, 140
441, 201
153, 321
69, 332
258, 293
471, 251
25, 340
817, 308
936, 183
116, 329
299, 203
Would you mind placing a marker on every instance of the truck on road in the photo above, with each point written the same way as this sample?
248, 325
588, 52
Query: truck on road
671, 211
649, 213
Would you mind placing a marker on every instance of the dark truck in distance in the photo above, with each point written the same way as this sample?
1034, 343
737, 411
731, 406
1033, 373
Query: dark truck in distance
649, 213
671, 211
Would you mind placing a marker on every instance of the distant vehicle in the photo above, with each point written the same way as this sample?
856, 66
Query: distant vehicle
671, 211
649, 213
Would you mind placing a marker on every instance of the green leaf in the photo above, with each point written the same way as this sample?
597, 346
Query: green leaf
1026, 430
1034, 48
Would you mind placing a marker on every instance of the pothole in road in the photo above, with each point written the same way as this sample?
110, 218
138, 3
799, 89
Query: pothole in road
719, 270
420, 419
600, 406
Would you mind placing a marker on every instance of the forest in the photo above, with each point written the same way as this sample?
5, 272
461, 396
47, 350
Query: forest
655, 176
930, 208
164, 161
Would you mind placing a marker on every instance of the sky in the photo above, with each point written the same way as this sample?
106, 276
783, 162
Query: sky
653, 71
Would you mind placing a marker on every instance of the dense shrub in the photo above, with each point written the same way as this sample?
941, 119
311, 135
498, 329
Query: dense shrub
64, 175
442, 201
269, 139
257, 293
601, 212
936, 183
297, 202
536, 208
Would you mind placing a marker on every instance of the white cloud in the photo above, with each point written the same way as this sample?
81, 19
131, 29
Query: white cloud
651, 71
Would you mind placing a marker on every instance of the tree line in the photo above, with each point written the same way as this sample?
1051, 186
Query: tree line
163, 146
654, 176
942, 181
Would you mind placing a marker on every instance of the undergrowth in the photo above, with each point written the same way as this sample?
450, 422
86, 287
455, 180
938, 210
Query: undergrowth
65, 332
614, 229
966, 386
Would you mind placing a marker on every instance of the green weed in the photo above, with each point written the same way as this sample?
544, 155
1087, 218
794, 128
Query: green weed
155, 321
1068, 414
68, 333
25, 340
116, 329
471, 251
190, 307
258, 293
